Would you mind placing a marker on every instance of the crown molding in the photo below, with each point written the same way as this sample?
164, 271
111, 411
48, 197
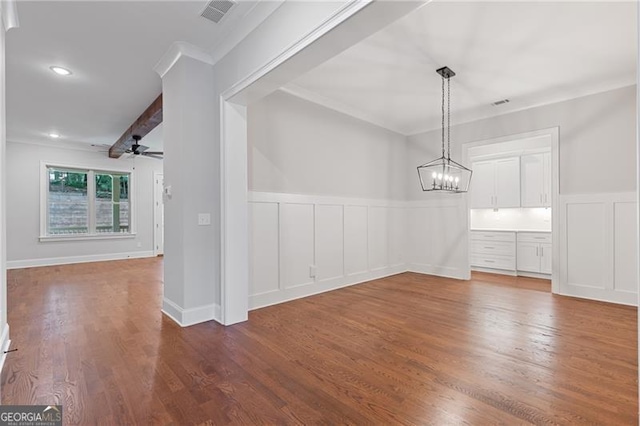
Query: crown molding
9, 11
177, 50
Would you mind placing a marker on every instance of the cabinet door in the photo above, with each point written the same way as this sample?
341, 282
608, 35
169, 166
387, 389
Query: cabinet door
507, 182
482, 185
547, 179
527, 258
545, 258
532, 180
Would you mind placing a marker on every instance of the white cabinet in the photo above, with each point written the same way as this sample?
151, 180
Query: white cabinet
535, 175
493, 250
534, 252
496, 184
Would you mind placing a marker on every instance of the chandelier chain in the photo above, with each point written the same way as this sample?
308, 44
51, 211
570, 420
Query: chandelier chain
442, 116
449, 118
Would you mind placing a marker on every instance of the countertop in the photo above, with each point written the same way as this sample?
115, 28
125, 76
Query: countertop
509, 230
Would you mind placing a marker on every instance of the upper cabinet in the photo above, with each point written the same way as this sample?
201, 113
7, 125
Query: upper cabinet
496, 184
536, 180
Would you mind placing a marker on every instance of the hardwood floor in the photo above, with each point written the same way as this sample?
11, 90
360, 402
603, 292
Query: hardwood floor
409, 349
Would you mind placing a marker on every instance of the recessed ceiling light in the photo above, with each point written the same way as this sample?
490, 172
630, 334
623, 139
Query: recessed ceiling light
54, 135
60, 70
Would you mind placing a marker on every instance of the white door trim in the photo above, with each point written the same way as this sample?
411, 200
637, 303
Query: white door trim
157, 212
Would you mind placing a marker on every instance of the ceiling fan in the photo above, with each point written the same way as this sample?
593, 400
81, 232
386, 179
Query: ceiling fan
137, 149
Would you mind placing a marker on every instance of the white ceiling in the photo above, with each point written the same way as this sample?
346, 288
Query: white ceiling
111, 47
532, 53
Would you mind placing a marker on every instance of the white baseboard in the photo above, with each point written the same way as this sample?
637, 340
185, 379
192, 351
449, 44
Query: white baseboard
285, 295
191, 316
534, 275
32, 263
494, 271
600, 295
437, 270
5, 342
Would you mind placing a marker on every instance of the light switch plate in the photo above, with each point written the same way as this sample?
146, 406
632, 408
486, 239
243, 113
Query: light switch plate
204, 219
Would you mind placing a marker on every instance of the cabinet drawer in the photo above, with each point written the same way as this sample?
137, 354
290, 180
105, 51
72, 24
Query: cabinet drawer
493, 247
495, 262
493, 236
534, 237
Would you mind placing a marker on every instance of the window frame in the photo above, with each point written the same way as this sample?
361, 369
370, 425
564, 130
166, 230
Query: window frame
91, 196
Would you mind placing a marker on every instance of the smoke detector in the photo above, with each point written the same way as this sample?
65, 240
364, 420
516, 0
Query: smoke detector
217, 9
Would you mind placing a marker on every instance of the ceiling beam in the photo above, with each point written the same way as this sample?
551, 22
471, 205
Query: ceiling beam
147, 121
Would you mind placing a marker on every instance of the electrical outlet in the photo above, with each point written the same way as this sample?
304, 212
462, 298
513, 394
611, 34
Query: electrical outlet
139, 244
204, 219
312, 271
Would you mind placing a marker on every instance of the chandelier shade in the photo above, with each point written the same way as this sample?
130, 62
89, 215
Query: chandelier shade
443, 174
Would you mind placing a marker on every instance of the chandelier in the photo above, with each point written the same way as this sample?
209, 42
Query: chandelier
444, 174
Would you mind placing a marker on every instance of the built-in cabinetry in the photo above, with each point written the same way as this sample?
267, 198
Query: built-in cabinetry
495, 250
534, 252
535, 180
511, 251
496, 184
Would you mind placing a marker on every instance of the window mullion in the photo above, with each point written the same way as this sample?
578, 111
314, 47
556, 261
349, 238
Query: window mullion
91, 189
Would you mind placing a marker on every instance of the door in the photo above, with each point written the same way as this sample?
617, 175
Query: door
527, 257
482, 185
158, 214
533, 180
545, 258
507, 183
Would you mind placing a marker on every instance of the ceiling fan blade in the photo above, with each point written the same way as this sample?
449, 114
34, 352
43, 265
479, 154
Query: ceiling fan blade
153, 153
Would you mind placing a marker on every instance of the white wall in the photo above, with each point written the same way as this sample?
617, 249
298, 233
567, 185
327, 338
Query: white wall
299, 147
23, 207
326, 192
597, 140
597, 152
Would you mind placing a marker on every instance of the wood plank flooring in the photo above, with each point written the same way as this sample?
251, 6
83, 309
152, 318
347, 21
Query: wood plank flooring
409, 349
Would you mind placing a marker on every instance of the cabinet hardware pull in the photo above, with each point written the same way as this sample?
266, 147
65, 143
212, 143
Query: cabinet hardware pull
489, 248
541, 251
489, 261
536, 251
540, 198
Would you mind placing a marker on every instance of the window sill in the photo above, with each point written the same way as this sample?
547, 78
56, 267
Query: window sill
91, 237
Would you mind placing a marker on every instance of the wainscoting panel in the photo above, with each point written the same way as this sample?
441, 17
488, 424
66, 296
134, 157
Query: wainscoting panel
378, 238
587, 244
296, 244
264, 233
625, 248
329, 242
437, 241
598, 249
356, 240
303, 245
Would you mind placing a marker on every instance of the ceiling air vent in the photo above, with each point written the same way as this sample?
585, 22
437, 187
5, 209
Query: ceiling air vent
501, 102
217, 9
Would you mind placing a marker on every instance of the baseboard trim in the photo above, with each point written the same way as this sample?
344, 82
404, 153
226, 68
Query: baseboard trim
438, 270
275, 297
191, 316
5, 343
534, 275
52, 261
599, 294
494, 271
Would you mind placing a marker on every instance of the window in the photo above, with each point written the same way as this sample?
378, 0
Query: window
85, 203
